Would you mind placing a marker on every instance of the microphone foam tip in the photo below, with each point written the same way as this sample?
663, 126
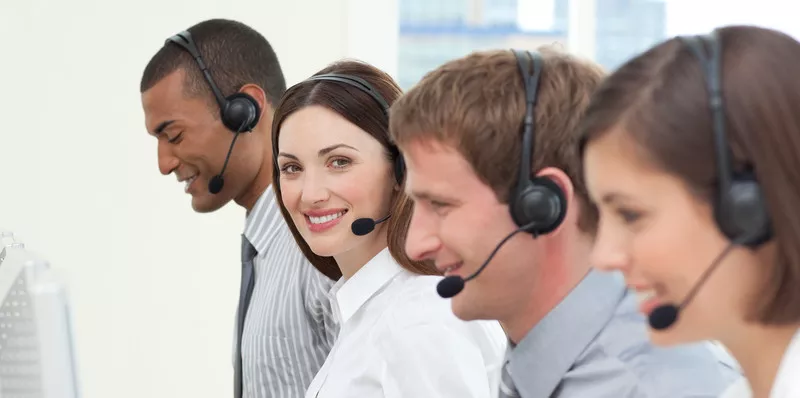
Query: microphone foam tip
362, 226
216, 183
663, 317
450, 286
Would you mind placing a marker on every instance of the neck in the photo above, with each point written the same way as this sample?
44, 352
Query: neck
351, 261
260, 183
759, 350
563, 263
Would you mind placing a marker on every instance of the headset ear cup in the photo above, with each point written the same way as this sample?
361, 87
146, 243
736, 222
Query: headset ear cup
399, 168
543, 203
241, 112
742, 212
559, 202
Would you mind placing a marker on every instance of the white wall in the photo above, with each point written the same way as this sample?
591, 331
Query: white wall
692, 16
154, 285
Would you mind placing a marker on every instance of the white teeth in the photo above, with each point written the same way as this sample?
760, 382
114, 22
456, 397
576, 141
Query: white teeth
450, 268
323, 219
645, 295
188, 182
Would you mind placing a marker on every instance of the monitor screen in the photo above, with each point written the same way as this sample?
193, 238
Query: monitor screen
37, 358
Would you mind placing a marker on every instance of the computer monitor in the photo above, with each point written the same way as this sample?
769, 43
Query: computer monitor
37, 357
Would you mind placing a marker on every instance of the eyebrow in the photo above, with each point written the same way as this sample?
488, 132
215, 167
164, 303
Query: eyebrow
162, 126
322, 152
613, 197
427, 196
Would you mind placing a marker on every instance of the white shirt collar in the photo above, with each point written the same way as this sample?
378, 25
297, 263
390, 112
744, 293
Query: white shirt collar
351, 294
786, 384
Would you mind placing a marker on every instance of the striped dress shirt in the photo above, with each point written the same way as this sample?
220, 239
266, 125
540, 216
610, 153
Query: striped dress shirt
289, 328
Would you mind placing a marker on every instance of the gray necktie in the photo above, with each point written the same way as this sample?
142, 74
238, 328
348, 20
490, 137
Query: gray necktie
246, 291
507, 389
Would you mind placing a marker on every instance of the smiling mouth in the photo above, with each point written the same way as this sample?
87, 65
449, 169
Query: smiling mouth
449, 270
649, 299
324, 219
319, 224
188, 183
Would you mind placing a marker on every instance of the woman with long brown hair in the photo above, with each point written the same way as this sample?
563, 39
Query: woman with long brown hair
691, 154
339, 182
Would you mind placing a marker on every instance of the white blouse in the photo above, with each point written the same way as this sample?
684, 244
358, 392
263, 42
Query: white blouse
398, 338
787, 381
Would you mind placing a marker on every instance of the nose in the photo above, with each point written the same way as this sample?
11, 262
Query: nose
421, 240
607, 252
314, 189
167, 162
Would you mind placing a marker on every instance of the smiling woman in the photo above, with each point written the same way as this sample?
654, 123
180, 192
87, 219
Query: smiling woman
335, 171
328, 133
693, 167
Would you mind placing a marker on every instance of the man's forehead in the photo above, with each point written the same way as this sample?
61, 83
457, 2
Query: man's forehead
434, 167
165, 100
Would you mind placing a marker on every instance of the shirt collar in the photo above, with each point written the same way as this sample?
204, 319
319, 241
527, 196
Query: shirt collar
262, 221
351, 294
550, 349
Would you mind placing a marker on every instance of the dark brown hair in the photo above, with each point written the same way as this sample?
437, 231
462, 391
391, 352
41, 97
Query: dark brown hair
477, 104
362, 110
660, 102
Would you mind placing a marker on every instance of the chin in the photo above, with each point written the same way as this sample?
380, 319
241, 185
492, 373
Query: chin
463, 305
323, 249
677, 334
326, 244
206, 203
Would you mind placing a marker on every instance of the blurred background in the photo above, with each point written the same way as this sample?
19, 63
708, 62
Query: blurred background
153, 285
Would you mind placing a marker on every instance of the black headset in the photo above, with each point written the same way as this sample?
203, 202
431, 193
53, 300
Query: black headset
361, 84
740, 209
537, 203
239, 111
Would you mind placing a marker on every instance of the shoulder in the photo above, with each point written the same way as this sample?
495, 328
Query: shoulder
415, 303
416, 312
288, 252
739, 389
623, 348
293, 272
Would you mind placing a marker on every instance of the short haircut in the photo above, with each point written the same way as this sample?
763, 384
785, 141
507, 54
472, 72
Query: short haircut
659, 101
235, 55
363, 111
477, 105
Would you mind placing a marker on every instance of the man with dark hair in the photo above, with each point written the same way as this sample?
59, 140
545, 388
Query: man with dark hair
205, 90
572, 332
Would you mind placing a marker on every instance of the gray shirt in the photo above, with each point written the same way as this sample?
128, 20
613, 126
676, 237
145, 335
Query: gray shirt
595, 344
289, 328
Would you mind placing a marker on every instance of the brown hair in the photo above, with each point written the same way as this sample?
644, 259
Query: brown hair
477, 104
660, 102
362, 110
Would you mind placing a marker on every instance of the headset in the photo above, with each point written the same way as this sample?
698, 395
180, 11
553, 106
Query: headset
364, 86
538, 204
239, 111
740, 210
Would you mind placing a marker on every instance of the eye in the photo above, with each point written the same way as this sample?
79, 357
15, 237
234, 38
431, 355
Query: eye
629, 216
340, 163
176, 138
290, 168
439, 207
